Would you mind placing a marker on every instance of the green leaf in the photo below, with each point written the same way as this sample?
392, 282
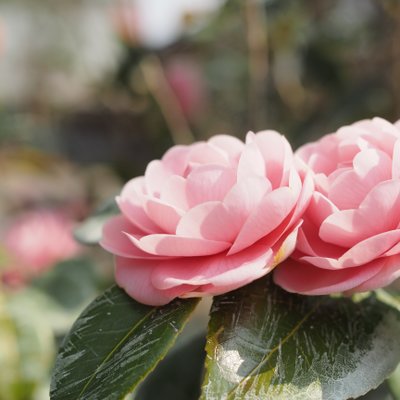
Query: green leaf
71, 283
264, 343
179, 375
394, 383
114, 344
89, 231
26, 345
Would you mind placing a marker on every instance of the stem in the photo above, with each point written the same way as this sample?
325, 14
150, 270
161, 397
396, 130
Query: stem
257, 44
157, 83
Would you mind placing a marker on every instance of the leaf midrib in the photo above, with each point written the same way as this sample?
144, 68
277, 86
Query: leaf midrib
114, 349
264, 360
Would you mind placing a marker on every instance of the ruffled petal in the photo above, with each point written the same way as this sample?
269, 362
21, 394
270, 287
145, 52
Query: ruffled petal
273, 209
319, 209
176, 159
348, 227
178, 246
209, 183
309, 243
174, 192
206, 154
211, 221
230, 145
135, 278
396, 161
131, 201
245, 196
277, 154
388, 274
298, 277
251, 163
303, 201
156, 176
227, 272
350, 188
370, 249
362, 253
164, 215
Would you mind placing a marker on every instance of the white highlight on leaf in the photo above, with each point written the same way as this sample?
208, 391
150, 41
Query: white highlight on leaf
229, 362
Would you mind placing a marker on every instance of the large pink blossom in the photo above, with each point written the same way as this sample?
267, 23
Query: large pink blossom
33, 243
207, 218
350, 239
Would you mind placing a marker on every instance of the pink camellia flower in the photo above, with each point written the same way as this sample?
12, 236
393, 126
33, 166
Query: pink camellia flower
33, 243
350, 239
207, 218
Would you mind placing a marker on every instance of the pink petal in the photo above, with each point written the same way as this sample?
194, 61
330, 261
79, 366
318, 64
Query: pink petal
319, 209
303, 202
206, 154
360, 254
136, 215
310, 244
370, 249
220, 270
326, 148
271, 212
294, 181
136, 187
165, 216
389, 273
178, 246
135, 278
229, 144
115, 240
245, 196
277, 154
394, 251
298, 277
208, 183
131, 201
174, 192
396, 161
383, 201
348, 227
176, 159
372, 165
322, 163
349, 146
156, 176
285, 246
349, 189
251, 163
382, 133
211, 221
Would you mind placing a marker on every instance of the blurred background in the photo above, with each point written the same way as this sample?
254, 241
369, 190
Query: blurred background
92, 90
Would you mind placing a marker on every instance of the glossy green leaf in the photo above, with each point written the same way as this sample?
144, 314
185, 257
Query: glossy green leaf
89, 231
264, 343
114, 344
